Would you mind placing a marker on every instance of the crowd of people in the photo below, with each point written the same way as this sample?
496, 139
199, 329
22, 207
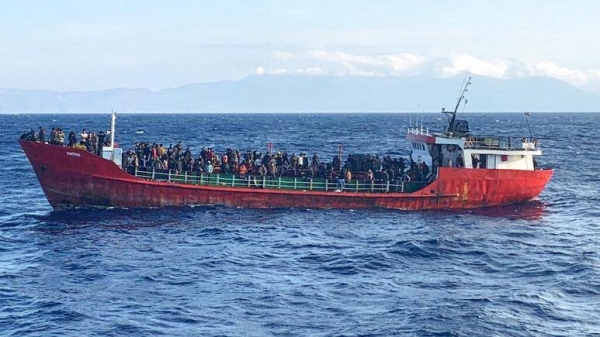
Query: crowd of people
89, 141
177, 159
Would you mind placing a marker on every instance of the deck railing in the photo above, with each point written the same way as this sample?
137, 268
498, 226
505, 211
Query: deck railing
283, 183
502, 143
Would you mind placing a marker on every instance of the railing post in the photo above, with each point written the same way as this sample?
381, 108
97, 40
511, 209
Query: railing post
217, 179
295, 181
263, 181
153, 173
356, 185
402, 187
311, 184
387, 186
169, 176
233, 180
326, 184
185, 177
279, 183
372, 185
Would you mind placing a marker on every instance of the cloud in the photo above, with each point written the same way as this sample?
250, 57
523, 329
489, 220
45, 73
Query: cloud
473, 65
370, 65
549, 69
336, 63
587, 79
260, 71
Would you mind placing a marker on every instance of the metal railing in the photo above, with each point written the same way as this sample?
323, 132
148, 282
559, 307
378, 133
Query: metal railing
282, 183
502, 143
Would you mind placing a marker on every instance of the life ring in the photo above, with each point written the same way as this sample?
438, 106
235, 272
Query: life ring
451, 147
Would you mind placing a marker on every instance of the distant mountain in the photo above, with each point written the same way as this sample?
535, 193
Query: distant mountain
314, 94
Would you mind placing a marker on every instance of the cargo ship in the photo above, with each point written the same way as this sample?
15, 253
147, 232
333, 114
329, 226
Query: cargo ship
466, 171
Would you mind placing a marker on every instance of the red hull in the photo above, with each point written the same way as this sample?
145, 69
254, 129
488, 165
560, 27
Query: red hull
74, 178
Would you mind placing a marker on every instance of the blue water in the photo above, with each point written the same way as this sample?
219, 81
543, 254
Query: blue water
523, 270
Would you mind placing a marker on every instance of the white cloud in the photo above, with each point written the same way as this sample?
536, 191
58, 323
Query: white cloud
587, 79
370, 65
549, 69
473, 65
259, 71
321, 62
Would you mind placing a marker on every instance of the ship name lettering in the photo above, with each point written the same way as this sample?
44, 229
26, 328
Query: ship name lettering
73, 154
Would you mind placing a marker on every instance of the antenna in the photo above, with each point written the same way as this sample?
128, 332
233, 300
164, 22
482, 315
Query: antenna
113, 118
461, 96
527, 114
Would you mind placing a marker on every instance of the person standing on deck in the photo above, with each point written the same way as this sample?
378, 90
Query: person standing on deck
93, 142
101, 136
84, 136
475, 161
209, 168
459, 161
272, 169
341, 181
315, 160
61, 137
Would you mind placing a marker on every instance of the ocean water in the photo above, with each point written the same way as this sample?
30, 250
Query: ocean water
524, 270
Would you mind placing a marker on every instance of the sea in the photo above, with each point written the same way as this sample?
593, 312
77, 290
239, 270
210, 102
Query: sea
529, 269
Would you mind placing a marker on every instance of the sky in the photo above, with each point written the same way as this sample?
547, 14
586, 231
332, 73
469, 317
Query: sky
73, 45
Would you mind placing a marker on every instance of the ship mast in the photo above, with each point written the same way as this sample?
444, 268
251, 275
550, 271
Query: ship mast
112, 133
461, 96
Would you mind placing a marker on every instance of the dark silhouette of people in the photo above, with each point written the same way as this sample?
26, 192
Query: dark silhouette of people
460, 162
475, 161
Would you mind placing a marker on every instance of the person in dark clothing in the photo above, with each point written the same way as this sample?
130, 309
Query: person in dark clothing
42, 134
425, 171
401, 165
101, 135
475, 161
315, 160
72, 139
341, 181
336, 162
459, 161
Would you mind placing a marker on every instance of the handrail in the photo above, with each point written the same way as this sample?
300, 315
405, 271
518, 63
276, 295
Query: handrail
281, 183
502, 143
